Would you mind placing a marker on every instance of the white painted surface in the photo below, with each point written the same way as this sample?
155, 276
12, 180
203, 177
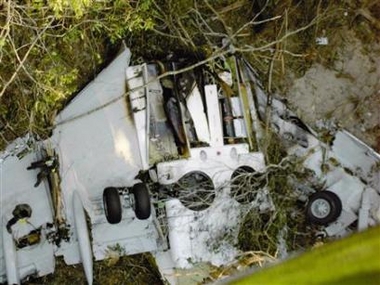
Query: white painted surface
237, 110
214, 117
10, 258
208, 235
354, 169
83, 237
131, 235
217, 162
166, 266
201, 236
136, 80
357, 156
97, 150
339, 227
16, 187
363, 220
240, 129
196, 110
100, 150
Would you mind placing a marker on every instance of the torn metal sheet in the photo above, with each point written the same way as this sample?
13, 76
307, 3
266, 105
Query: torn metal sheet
345, 166
95, 142
151, 161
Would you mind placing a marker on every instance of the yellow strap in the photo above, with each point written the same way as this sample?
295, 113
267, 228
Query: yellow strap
23, 221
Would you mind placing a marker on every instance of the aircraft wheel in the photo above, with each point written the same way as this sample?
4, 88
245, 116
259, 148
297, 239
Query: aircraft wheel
112, 205
323, 207
141, 204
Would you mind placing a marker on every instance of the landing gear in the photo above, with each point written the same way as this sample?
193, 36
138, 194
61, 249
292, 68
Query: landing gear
141, 203
139, 200
112, 205
323, 207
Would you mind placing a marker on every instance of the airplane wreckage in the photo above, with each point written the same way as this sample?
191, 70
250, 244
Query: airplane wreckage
154, 171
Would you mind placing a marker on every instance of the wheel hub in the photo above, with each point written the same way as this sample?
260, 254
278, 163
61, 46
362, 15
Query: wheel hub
320, 208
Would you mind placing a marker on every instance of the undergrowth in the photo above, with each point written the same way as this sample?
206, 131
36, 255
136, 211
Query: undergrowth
136, 269
263, 231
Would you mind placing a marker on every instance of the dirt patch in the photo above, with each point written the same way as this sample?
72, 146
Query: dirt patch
347, 92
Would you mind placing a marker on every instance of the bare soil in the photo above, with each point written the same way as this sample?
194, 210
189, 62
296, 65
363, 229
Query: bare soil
346, 92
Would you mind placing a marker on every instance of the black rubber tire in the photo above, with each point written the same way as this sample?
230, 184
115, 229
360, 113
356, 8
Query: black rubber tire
112, 205
334, 203
142, 204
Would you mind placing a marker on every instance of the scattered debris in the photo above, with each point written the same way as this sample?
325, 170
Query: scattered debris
174, 166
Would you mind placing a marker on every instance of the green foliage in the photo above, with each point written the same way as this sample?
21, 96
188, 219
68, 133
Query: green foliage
60, 7
59, 83
119, 17
49, 49
263, 231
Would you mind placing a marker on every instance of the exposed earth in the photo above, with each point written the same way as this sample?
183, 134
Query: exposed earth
347, 93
